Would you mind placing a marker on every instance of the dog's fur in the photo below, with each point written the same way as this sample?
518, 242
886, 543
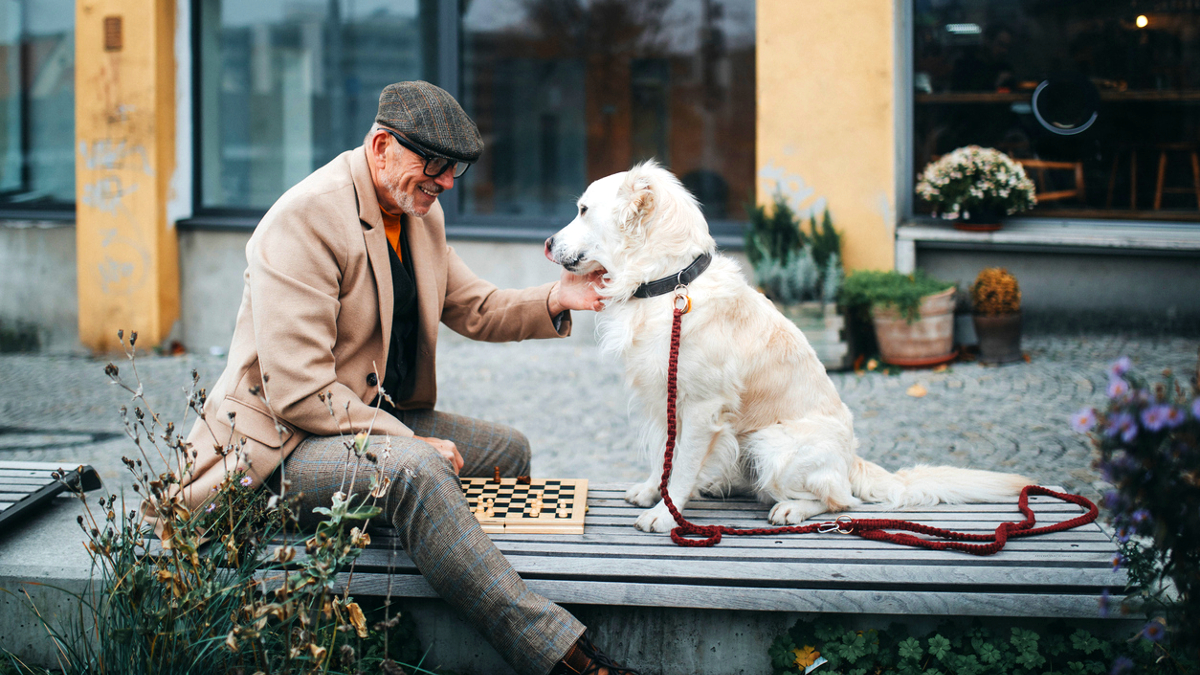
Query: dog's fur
756, 411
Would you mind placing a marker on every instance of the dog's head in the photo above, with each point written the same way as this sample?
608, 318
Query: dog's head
636, 226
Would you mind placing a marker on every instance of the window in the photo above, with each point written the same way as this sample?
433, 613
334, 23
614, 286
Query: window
287, 85
1099, 99
566, 92
37, 104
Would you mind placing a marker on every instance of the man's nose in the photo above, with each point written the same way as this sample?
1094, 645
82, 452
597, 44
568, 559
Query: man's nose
445, 181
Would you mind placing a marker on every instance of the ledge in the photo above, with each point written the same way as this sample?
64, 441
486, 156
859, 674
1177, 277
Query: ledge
1181, 237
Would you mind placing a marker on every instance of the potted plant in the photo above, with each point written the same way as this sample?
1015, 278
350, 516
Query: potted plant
801, 272
975, 187
913, 314
997, 315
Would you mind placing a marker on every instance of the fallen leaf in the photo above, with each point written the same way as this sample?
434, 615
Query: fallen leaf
942, 368
872, 364
916, 391
1026, 358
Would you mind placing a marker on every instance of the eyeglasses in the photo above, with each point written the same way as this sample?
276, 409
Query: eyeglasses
434, 165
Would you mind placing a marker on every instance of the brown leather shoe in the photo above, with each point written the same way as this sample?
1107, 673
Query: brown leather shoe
584, 659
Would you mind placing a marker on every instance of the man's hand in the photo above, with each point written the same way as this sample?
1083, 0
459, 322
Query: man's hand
446, 449
577, 292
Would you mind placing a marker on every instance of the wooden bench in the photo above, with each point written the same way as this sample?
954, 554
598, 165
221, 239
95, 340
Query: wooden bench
639, 590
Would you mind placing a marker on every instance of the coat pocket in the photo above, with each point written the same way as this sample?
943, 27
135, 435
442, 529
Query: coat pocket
253, 422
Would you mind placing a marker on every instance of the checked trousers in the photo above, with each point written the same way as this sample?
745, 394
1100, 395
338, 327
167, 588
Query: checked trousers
437, 530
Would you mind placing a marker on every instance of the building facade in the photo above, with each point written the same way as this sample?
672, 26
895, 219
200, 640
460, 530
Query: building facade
141, 140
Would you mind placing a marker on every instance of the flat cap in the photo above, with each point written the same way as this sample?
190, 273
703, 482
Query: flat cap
430, 117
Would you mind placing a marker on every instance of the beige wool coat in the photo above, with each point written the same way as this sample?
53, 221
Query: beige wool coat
316, 317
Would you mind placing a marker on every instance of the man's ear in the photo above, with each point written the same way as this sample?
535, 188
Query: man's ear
636, 199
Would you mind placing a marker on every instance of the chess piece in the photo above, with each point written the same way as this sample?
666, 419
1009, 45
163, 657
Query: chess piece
496, 474
523, 480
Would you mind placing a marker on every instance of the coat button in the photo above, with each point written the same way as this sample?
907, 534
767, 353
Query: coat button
372, 379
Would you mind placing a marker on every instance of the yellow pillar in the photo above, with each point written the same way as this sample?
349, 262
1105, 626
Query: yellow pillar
127, 252
827, 115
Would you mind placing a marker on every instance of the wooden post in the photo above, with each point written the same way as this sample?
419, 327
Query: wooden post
127, 252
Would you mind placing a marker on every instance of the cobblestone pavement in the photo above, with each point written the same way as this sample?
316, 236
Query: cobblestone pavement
570, 401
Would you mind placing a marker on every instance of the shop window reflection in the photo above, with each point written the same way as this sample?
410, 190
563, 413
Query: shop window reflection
977, 64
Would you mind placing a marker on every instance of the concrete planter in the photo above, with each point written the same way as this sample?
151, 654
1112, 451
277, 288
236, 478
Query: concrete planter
999, 337
825, 329
927, 341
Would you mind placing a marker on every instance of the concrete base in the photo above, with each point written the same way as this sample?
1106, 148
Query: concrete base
42, 561
37, 275
668, 641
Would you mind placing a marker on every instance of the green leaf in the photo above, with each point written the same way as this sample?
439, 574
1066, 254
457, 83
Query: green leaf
939, 647
988, 653
911, 649
1084, 641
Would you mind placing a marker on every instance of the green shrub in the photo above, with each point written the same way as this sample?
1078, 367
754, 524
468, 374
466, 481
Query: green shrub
866, 288
792, 265
228, 587
956, 649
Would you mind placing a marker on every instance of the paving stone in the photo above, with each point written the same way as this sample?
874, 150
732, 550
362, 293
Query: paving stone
569, 400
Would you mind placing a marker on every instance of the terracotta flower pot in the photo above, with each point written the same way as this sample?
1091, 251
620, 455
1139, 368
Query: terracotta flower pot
999, 337
927, 341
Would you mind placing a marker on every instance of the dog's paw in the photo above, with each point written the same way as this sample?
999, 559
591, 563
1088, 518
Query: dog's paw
643, 494
657, 519
794, 511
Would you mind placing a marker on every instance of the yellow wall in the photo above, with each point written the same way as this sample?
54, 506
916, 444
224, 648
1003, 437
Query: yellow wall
826, 116
127, 256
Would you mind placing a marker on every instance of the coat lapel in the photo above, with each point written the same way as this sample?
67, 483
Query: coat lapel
428, 265
377, 244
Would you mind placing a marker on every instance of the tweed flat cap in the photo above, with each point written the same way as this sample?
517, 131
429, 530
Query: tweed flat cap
430, 117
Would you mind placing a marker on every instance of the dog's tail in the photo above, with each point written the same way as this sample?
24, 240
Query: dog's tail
924, 485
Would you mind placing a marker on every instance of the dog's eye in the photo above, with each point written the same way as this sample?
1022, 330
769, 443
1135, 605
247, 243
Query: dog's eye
582, 210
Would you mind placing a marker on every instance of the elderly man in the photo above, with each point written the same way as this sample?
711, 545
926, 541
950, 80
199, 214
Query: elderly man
348, 276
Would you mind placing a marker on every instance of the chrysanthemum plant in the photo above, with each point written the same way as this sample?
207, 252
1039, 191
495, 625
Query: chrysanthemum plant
224, 589
1148, 437
973, 181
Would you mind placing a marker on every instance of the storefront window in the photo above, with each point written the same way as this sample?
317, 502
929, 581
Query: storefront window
37, 104
287, 85
1099, 99
568, 91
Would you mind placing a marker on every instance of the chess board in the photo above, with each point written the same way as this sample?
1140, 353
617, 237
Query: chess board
511, 507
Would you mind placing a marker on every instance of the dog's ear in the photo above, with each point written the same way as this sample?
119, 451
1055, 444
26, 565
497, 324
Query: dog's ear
636, 199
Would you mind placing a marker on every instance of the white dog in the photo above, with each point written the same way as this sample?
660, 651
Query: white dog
756, 411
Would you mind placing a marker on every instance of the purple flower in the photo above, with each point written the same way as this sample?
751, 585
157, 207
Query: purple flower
1123, 534
1083, 421
1122, 664
1175, 417
1112, 499
1140, 516
210, 508
246, 481
1117, 561
1120, 366
1104, 604
1154, 631
1117, 388
1124, 424
1196, 408
1155, 417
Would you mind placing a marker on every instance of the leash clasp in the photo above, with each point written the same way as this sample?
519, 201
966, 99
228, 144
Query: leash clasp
682, 300
840, 525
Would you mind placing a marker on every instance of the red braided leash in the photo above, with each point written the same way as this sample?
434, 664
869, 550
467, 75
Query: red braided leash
868, 528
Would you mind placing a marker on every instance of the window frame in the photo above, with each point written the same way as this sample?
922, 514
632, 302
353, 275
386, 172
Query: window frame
906, 139
728, 233
58, 212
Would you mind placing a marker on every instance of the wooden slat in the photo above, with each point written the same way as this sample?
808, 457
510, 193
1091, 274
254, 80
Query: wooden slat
799, 545
935, 603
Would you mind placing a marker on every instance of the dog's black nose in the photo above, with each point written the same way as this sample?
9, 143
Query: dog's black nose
549, 245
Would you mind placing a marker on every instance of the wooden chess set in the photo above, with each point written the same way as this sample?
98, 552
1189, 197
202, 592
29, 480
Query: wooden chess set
527, 506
